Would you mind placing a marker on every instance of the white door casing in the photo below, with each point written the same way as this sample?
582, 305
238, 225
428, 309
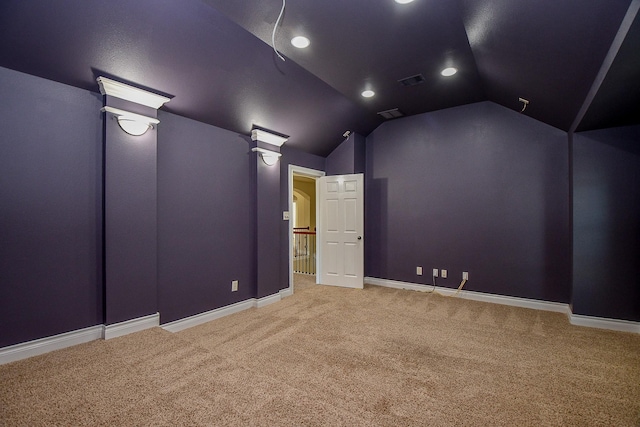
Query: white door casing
298, 170
340, 225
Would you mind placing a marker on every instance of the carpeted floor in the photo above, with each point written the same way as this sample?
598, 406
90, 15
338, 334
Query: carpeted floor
340, 357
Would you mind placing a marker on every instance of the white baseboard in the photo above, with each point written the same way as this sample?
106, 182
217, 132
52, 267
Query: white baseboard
574, 319
604, 323
131, 326
286, 292
473, 295
198, 319
45, 345
270, 299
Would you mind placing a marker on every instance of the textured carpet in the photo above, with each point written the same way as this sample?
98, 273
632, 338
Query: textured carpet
340, 357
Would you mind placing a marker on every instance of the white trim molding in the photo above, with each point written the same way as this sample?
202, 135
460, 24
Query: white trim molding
604, 323
130, 93
269, 299
207, 316
131, 326
298, 170
45, 345
267, 137
574, 319
473, 295
199, 319
40, 346
128, 115
286, 292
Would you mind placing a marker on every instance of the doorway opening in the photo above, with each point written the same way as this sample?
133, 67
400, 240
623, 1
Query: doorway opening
302, 224
303, 218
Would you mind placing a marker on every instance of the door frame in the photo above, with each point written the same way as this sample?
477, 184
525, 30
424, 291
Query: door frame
311, 173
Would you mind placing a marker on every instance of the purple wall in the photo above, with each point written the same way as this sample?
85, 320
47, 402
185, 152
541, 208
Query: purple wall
477, 188
130, 224
205, 218
606, 221
268, 222
291, 156
50, 208
341, 159
359, 153
348, 157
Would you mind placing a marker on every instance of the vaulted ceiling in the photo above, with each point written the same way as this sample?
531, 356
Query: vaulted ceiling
577, 62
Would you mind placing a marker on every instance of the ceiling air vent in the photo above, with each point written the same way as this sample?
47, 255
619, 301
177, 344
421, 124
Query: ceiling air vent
412, 81
394, 113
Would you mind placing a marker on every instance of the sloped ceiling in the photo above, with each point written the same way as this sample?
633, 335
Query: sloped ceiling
215, 59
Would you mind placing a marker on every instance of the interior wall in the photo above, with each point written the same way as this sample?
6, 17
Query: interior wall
205, 218
341, 160
477, 188
50, 208
268, 217
130, 220
348, 157
606, 220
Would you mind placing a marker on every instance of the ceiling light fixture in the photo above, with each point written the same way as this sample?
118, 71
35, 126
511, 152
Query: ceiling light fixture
403, 1
447, 72
368, 93
300, 42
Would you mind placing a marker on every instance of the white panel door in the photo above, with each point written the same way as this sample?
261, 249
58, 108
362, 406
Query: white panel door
340, 227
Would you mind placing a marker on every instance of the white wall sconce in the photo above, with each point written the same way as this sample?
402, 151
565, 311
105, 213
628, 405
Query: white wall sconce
132, 123
269, 157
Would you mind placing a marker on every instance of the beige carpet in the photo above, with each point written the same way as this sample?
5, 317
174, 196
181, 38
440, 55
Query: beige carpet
339, 357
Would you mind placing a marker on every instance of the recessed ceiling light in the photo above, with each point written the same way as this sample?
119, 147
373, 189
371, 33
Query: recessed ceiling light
300, 42
403, 1
449, 71
368, 93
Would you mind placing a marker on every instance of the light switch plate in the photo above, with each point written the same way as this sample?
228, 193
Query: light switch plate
285, 215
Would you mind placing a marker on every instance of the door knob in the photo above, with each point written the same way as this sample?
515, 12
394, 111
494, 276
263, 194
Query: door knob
359, 237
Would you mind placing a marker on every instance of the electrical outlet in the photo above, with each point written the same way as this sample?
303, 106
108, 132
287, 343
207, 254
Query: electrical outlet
435, 272
465, 275
443, 274
419, 271
234, 286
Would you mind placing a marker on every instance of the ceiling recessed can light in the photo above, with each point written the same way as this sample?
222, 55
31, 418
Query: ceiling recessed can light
300, 42
449, 71
403, 1
368, 93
